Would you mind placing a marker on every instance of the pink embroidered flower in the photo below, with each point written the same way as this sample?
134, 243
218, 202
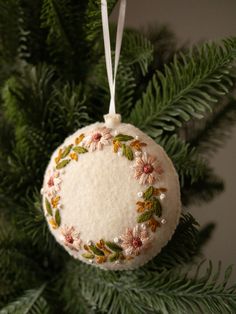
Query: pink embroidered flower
97, 139
53, 183
71, 238
132, 241
147, 169
50, 182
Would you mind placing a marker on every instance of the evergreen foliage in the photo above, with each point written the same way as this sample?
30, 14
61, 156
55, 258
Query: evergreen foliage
31, 302
53, 81
213, 135
186, 88
146, 291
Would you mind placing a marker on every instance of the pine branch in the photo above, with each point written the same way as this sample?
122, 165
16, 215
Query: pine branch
189, 165
187, 88
152, 292
63, 106
137, 51
216, 130
42, 105
136, 58
9, 21
52, 18
31, 220
16, 249
21, 169
69, 286
68, 108
72, 30
28, 233
32, 38
162, 48
125, 86
23, 263
93, 24
24, 34
66, 46
6, 132
32, 85
31, 302
16, 178
17, 272
9, 38
182, 248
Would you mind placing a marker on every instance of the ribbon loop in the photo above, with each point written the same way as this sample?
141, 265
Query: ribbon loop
107, 45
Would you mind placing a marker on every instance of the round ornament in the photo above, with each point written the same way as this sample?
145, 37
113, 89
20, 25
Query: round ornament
111, 195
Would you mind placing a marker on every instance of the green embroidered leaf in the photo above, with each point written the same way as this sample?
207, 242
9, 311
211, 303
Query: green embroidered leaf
48, 207
127, 152
145, 216
66, 151
88, 255
80, 149
58, 217
96, 250
123, 138
157, 207
123, 147
113, 246
148, 193
62, 164
114, 257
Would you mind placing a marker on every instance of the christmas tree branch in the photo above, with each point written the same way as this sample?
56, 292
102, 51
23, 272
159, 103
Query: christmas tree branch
32, 302
61, 86
137, 51
187, 88
9, 41
93, 15
182, 249
188, 164
216, 130
153, 292
125, 86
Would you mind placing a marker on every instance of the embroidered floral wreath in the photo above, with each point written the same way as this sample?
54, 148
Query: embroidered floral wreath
147, 170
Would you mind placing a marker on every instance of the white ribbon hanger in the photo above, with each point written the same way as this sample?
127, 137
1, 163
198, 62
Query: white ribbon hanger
107, 45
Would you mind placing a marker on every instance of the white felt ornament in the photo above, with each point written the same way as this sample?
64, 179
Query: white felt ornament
111, 195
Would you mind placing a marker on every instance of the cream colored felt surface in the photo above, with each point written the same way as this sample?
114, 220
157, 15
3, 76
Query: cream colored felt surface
99, 195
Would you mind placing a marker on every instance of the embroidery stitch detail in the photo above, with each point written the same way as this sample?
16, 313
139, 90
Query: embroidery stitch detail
147, 170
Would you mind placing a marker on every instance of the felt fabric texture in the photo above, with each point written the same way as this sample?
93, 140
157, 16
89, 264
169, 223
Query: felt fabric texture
99, 195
